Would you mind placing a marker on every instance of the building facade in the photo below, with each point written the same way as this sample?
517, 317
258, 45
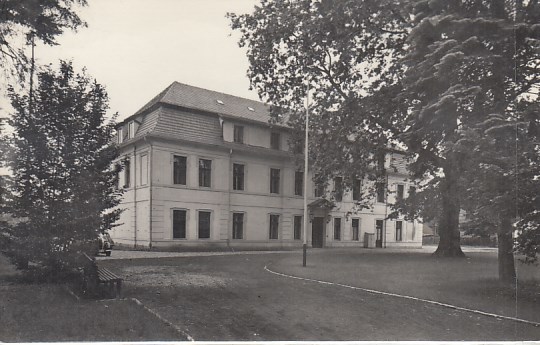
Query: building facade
206, 169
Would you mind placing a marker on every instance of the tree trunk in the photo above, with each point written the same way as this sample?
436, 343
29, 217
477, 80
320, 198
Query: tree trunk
449, 243
507, 270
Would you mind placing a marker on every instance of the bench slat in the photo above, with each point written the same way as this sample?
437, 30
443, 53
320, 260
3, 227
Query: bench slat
104, 276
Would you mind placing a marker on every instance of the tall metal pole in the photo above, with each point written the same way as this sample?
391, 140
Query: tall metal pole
306, 149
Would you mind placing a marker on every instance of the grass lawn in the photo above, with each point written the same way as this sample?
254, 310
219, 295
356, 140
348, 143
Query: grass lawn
469, 282
234, 298
47, 312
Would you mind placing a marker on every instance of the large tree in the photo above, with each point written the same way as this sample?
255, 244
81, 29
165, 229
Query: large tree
30, 21
64, 183
468, 61
344, 53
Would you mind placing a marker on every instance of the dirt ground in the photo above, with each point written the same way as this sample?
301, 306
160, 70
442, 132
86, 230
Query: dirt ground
233, 298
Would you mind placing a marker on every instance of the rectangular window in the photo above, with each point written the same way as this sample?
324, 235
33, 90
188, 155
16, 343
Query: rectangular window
381, 161
412, 195
399, 230
355, 229
274, 180
144, 170
319, 191
238, 226
274, 227
337, 229
118, 169
297, 227
179, 170
204, 224
379, 225
120, 135
238, 134
238, 176
205, 173
357, 188
131, 130
338, 188
275, 139
298, 182
400, 189
179, 223
381, 191
127, 173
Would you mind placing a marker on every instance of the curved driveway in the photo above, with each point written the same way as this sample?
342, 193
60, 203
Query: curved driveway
231, 297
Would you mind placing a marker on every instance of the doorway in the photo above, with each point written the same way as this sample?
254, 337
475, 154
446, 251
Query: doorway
317, 232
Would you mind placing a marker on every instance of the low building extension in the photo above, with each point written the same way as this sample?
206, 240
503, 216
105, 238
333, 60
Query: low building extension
206, 169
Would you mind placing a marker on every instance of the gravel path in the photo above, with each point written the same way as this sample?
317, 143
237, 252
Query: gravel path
144, 254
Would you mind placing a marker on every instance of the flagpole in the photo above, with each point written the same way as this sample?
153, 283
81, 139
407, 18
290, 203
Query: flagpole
306, 150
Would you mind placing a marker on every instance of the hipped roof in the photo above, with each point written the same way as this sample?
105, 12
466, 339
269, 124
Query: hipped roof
199, 99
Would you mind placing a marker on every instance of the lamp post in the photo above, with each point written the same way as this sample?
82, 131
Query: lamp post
304, 246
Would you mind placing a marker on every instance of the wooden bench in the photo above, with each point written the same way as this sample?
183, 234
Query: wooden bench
94, 276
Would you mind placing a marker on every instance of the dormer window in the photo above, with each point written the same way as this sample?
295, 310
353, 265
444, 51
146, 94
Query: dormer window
120, 135
275, 139
238, 134
131, 129
219, 101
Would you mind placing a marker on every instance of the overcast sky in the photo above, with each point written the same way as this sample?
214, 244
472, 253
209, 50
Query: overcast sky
136, 48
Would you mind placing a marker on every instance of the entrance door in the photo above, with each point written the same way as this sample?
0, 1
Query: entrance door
317, 232
379, 223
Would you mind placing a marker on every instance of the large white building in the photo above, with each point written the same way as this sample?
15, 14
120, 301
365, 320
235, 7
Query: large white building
206, 169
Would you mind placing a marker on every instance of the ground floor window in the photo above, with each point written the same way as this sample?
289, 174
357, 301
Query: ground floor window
274, 227
204, 224
297, 227
355, 229
179, 223
238, 226
379, 225
399, 230
337, 229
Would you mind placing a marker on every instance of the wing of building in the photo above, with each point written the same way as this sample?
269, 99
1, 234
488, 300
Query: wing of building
206, 169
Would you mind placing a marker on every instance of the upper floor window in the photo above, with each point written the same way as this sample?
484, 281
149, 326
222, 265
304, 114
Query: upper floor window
144, 169
298, 182
412, 194
238, 134
274, 227
205, 173
127, 173
400, 190
275, 139
356, 189
381, 191
179, 170
238, 176
381, 160
338, 188
319, 190
274, 180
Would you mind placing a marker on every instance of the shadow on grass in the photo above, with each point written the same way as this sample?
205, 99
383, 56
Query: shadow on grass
33, 311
